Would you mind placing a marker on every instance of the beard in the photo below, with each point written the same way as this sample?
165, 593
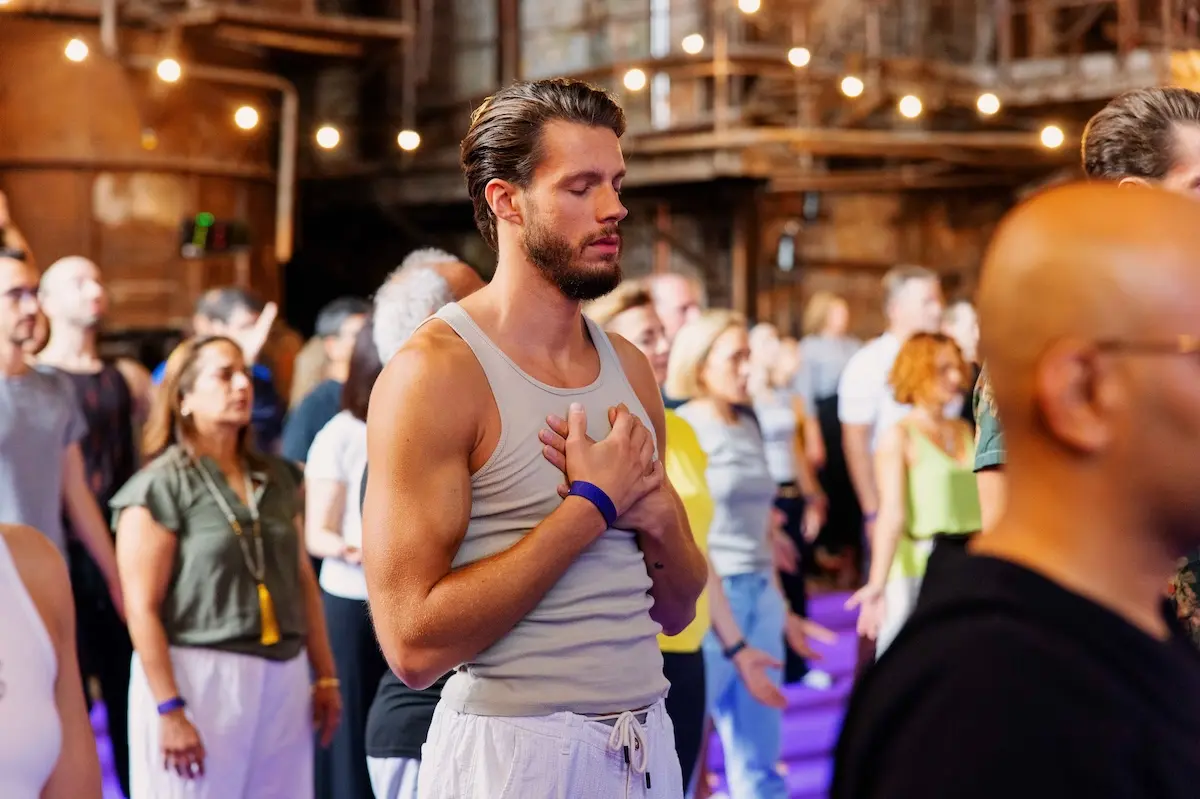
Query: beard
564, 266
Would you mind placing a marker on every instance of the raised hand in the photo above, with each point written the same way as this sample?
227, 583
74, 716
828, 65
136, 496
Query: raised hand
801, 632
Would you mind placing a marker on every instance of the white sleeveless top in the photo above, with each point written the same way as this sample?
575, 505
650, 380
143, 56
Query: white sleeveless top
589, 647
30, 730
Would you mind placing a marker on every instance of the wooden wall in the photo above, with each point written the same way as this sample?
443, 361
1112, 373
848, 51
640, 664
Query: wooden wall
82, 180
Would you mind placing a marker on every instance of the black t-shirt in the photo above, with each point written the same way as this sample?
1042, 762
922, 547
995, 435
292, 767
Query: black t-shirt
306, 419
399, 718
1005, 685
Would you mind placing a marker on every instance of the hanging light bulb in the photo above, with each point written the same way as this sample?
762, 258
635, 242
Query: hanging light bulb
910, 106
693, 43
76, 49
246, 118
749, 6
988, 104
408, 140
1052, 137
328, 137
168, 70
635, 80
852, 86
799, 56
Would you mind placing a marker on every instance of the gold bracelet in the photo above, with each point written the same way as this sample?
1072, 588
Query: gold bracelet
327, 682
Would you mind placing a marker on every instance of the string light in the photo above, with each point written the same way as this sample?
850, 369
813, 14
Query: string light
76, 49
799, 56
328, 137
635, 80
910, 106
246, 118
988, 104
749, 6
408, 140
852, 86
1052, 137
168, 70
693, 43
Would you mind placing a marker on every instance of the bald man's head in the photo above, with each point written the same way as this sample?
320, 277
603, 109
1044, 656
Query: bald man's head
72, 292
1086, 295
463, 279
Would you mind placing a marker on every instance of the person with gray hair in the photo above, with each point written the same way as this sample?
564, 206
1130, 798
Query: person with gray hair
409, 297
462, 279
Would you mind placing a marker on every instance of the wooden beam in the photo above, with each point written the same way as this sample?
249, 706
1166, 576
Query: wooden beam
365, 29
186, 166
824, 141
297, 43
884, 180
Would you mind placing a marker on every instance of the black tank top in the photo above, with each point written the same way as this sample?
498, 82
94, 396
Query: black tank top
108, 449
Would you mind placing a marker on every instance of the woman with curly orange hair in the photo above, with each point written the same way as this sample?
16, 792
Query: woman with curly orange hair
927, 495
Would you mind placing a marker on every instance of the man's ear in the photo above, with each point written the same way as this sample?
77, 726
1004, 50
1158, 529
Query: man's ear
505, 200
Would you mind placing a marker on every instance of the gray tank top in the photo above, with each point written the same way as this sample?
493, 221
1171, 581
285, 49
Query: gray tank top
589, 646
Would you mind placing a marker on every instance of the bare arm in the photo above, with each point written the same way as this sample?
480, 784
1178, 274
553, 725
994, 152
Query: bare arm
806, 475
856, 443
146, 553
892, 479
320, 655
430, 618
140, 387
675, 564
88, 523
43, 572
325, 501
993, 492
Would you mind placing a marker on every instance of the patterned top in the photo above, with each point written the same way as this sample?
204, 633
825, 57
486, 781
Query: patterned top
989, 454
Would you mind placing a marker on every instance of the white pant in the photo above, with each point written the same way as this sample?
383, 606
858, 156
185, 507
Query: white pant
562, 755
254, 717
394, 777
900, 599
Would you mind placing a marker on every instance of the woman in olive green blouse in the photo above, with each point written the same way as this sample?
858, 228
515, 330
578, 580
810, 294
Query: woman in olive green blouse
221, 598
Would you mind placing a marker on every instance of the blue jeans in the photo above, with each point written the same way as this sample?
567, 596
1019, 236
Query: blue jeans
750, 732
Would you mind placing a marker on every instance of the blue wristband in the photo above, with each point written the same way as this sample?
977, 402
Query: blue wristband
595, 495
171, 705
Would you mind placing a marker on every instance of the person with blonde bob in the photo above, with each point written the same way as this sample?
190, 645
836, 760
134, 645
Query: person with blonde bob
221, 598
629, 312
709, 367
925, 472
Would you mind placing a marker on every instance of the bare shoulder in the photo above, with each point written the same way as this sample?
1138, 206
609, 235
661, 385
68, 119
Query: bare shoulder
43, 571
433, 377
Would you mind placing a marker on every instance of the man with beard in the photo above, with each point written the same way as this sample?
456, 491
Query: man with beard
114, 397
42, 471
545, 600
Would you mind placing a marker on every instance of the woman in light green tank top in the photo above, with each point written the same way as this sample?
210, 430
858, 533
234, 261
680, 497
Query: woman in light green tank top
925, 472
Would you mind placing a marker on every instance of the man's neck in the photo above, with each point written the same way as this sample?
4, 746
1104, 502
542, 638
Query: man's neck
12, 360
1092, 547
71, 348
531, 313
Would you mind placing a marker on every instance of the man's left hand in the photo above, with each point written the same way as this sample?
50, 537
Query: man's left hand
645, 516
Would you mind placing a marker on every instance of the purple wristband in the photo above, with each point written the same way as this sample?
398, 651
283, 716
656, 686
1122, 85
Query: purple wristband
595, 495
171, 705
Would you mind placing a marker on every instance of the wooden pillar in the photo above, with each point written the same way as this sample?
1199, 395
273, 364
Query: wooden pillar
662, 244
508, 45
1039, 18
743, 257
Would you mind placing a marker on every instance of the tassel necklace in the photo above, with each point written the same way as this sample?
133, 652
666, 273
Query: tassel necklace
257, 565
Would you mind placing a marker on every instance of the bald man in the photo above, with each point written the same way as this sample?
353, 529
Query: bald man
1045, 664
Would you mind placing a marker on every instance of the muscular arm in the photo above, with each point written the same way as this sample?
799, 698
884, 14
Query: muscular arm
675, 564
429, 617
43, 571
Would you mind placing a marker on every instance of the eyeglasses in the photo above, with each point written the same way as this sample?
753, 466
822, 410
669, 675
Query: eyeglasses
1182, 345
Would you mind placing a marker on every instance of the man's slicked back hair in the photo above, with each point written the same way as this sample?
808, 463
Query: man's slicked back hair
505, 137
1134, 135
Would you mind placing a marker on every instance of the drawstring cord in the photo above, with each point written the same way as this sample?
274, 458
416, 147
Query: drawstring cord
628, 732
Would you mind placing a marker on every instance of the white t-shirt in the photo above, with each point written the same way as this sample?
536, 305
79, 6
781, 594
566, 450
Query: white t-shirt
864, 394
339, 453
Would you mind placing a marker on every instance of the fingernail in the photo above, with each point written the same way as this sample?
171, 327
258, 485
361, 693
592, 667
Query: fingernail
576, 407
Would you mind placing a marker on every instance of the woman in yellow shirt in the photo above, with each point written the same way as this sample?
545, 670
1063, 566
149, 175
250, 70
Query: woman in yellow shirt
629, 312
